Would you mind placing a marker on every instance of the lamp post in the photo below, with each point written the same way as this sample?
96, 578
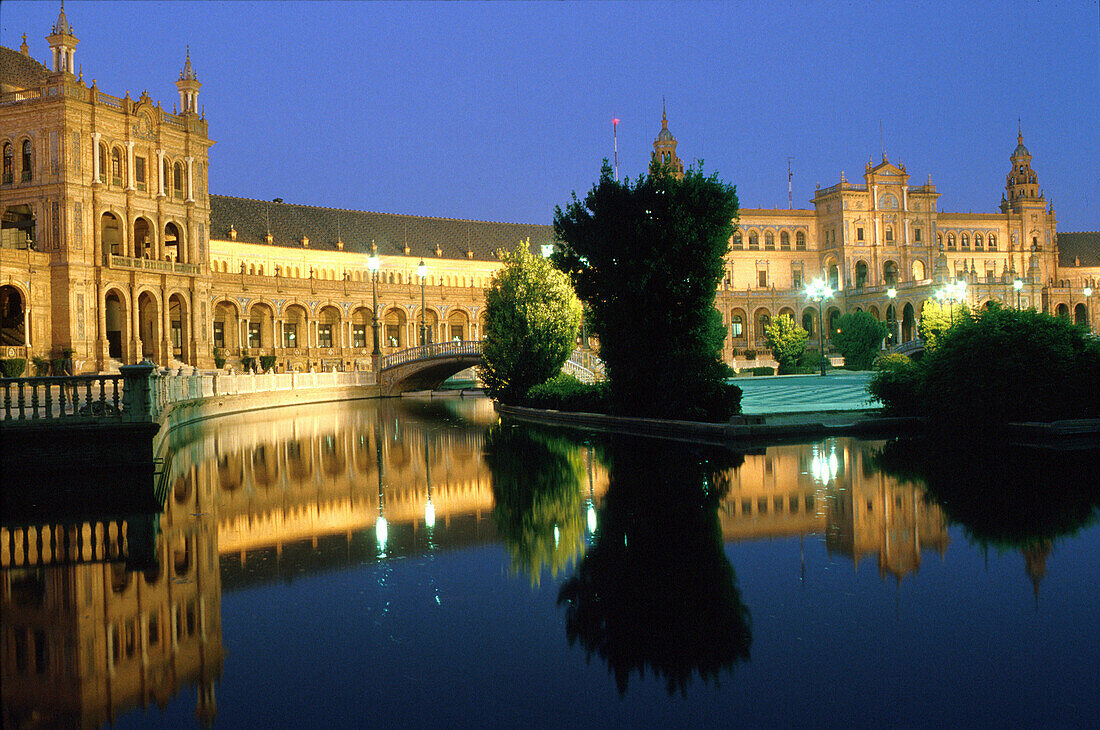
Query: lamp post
1018, 285
372, 264
422, 270
816, 292
892, 293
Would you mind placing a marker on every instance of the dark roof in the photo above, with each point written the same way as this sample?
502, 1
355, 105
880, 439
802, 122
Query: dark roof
288, 223
20, 71
1084, 246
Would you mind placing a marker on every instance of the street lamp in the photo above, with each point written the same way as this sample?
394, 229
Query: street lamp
816, 292
1018, 285
892, 293
372, 264
422, 270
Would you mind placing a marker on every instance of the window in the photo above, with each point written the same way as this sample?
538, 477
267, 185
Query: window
859, 234
916, 235
290, 335
989, 271
785, 241
965, 241
254, 334
116, 166
808, 322
166, 168
28, 161
762, 322
139, 172
102, 162
754, 242
393, 334
8, 163
769, 241
889, 234
978, 244
324, 335
992, 242
950, 241
762, 279
800, 241
737, 326
359, 335
219, 334
177, 337
861, 275
796, 278
177, 181
737, 241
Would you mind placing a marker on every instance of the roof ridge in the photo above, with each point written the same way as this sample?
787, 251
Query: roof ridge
378, 212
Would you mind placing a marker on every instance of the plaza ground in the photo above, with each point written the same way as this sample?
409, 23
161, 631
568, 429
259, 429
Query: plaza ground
840, 390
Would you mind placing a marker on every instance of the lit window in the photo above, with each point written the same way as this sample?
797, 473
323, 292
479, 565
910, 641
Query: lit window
290, 335
859, 234
359, 335
762, 278
324, 335
254, 334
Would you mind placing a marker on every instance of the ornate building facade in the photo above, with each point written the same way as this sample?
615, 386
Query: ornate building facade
113, 246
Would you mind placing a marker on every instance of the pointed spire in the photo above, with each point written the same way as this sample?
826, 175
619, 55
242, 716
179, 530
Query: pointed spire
188, 73
664, 114
62, 27
25, 49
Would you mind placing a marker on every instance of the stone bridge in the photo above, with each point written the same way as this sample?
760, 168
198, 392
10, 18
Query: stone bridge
427, 366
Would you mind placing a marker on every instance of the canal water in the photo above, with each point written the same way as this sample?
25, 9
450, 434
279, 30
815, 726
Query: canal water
422, 563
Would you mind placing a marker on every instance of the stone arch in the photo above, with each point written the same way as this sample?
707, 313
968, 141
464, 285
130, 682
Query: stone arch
738, 324
1081, 314
890, 272
116, 310
908, 322
395, 327
362, 326
809, 320
832, 273
458, 325
179, 326
261, 325
144, 241
918, 270
873, 311
149, 324
789, 312
431, 324
831, 317
295, 326
226, 325
13, 316
761, 318
328, 327
111, 235
862, 274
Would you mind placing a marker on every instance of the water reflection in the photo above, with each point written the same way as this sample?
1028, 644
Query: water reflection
655, 592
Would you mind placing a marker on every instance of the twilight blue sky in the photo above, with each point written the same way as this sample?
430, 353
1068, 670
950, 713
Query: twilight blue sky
497, 111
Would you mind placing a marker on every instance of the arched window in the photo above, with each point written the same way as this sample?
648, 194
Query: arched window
769, 241
763, 319
992, 242
890, 273
964, 239
28, 161
950, 241
116, 166
800, 241
9, 160
177, 181
754, 242
918, 271
102, 162
785, 241
165, 173
808, 322
861, 274
978, 245
737, 326
737, 241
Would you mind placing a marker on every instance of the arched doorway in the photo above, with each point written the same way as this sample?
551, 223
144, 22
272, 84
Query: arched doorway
431, 327
179, 333
362, 325
117, 330
890, 273
13, 317
809, 321
458, 326
831, 317
174, 250
260, 327
227, 327
908, 319
143, 239
294, 327
1080, 314
761, 320
110, 234
918, 271
394, 330
861, 274
17, 228
1063, 310
832, 273
328, 328
149, 326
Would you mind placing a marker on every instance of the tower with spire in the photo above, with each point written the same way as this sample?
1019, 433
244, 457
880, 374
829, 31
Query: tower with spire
664, 149
1022, 186
62, 44
188, 86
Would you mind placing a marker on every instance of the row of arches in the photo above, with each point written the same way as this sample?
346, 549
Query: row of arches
753, 235
963, 241
891, 274
175, 175
26, 159
332, 273
142, 239
259, 328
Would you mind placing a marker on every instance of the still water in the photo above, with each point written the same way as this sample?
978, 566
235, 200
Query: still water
419, 563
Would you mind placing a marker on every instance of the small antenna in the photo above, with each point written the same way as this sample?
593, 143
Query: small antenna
790, 195
615, 134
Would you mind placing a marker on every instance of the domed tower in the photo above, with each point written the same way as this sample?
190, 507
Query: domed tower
189, 87
1022, 185
664, 149
63, 44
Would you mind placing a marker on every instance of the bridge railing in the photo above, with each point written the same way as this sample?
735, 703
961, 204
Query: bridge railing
72, 398
434, 350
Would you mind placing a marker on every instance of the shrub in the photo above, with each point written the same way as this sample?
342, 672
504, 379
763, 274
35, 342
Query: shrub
219, 358
787, 340
267, 362
248, 362
57, 366
750, 354
565, 393
858, 337
812, 359
12, 367
897, 385
763, 370
41, 365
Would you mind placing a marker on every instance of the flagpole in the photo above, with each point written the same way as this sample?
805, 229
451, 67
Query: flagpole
615, 134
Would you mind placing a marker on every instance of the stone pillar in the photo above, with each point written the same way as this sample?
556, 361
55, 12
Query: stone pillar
160, 173
190, 179
95, 157
137, 392
130, 165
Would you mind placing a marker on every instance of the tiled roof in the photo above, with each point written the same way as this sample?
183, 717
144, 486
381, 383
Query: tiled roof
288, 223
20, 71
1084, 246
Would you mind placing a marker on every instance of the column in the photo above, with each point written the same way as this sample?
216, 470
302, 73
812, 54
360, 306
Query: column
130, 165
190, 180
135, 327
95, 157
165, 350
27, 323
160, 173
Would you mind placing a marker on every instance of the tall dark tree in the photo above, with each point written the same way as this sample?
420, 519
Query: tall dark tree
646, 258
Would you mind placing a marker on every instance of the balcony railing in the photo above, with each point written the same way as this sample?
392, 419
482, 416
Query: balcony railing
117, 261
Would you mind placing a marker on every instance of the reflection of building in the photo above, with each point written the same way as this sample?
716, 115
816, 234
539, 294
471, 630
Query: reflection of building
83, 643
115, 247
833, 490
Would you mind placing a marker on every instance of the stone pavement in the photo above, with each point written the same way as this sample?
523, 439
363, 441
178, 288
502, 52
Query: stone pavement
838, 391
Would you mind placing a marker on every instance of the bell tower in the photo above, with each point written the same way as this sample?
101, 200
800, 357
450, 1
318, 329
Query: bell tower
664, 149
63, 44
188, 86
1022, 186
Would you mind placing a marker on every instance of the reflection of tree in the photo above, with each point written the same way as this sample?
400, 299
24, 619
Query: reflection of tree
1008, 495
537, 491
656, 590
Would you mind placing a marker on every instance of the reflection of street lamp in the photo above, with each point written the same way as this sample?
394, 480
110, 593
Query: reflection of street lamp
1018, 285
423, 271
816, 292
381, 528
372, 264
429, 509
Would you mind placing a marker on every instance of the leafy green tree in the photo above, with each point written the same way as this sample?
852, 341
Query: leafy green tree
787, 341
1001, 365
859, 336
646, 258
532, 318
935, 319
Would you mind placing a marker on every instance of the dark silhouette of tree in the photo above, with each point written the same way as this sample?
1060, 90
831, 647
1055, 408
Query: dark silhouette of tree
655, 592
